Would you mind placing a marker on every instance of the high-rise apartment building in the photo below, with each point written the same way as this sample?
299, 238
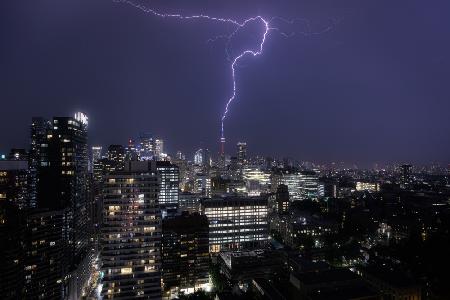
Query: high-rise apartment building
185, 253
131, 233
63, 186
47, 272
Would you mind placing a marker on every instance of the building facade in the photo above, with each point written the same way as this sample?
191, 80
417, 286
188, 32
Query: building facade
185, 249
131, 233
62, 185
236, 222
169, 182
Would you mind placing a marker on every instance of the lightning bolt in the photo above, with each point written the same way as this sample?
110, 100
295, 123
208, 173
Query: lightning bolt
266, 29
236, 60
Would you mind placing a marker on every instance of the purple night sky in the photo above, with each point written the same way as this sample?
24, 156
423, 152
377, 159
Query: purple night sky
374, 88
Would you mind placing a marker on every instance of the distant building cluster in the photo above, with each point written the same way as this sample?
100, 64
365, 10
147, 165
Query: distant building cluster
83, 221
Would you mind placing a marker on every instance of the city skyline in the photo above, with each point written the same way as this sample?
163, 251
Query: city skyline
231, 150
131, 222
352, 94
199, 150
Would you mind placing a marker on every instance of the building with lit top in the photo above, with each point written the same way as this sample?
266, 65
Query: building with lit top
63, 185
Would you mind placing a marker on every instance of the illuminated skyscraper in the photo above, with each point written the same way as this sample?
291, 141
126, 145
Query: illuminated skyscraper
301, 185
131, 233
242, 153
96, 156
169, 175
202, 157
63, 186
96, 152
159, 147
198, 157
236, 222
146, 146
202, 185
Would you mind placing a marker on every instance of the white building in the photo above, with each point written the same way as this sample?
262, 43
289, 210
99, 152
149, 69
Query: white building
256, 181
